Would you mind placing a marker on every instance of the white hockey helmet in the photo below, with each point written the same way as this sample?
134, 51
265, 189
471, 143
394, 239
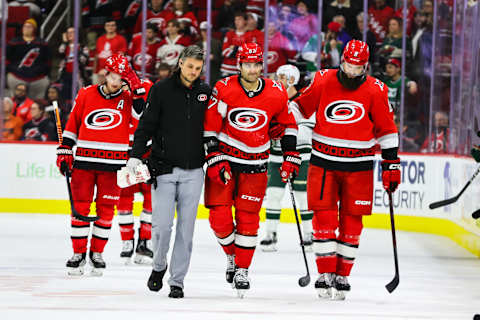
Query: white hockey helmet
289, 71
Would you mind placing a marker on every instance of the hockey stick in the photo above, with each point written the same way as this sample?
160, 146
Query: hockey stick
446, 202
67, 172
392, 285
305, 280
476, 214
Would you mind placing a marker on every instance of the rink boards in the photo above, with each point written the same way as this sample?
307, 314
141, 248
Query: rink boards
31, 184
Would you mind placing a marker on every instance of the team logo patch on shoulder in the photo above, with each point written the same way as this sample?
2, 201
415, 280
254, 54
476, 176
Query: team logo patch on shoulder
344, 111
247, 119
103, 119
202, 97
379, 83
215, 91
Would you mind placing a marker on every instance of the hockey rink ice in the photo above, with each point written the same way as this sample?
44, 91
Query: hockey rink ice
438, 279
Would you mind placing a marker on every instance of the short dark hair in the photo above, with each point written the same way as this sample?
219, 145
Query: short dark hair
152, 26
242, 14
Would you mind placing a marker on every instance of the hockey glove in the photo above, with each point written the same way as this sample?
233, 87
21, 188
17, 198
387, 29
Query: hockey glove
391, 174
476, 153
64, 159
290, 166
218, 168
276, 131
133, 82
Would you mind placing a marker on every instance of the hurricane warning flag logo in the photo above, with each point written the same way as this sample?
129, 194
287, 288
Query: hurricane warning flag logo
247, 119
344, 111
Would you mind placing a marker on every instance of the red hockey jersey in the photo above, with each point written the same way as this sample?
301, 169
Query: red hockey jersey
232, 39
147, 84
241, 120
348, 122
107, 47
134, 53
159, 18
99, 125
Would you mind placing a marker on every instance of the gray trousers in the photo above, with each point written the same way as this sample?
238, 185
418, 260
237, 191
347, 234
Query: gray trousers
180, 189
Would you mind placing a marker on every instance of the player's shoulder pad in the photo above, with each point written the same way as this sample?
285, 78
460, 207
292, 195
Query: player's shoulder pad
377, 85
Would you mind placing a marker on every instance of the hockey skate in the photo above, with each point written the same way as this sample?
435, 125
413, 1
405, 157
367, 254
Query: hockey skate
143, 254
340, 288
75, 265
324, 285
155, 281
230, 273
308, 241
241, 282
269, 244
97, 263
127, 250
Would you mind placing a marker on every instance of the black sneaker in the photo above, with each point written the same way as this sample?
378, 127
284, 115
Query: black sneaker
155, 280
175, 292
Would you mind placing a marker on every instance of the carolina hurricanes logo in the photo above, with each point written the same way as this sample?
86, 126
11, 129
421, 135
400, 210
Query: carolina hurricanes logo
29, 58
202, 97
272, 57
344, 111
172, 55
103, 119
247, 119
137, 59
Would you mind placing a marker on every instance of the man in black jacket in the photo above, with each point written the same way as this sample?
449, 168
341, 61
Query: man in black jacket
173, 119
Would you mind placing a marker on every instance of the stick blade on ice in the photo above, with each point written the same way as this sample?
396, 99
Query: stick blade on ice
392, 285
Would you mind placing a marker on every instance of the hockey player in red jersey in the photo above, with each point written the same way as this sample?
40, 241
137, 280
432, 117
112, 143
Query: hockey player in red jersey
244, 113
143, 251
99, 126
352, 115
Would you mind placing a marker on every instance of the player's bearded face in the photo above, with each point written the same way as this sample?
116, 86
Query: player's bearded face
113, 81
352, 70
250, 71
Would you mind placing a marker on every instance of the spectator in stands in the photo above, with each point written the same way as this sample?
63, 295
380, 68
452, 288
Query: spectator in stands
304, 26
215, 53
393, 71
438, 141
163, 71
53, 93
310, 53
226, 15
134, 52
12, 125
283, 17
428, 9
41, 127
418, 27
411, 10
21, 102
28, 60
186, 18
66, 66
393, 41
332, 47
379, 15
170, 48
255, 35
233, 40
346, 8
157, 15
280, 50
107, 45
371, 40
342, 36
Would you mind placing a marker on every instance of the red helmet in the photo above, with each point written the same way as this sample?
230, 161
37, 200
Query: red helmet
250, 52
117, 63
356, 52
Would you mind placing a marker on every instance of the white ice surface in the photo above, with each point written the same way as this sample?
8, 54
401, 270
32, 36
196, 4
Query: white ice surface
439, 280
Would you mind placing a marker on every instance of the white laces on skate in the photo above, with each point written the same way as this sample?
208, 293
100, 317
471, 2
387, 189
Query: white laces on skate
97, 256
241, 275
127, 245
341, 280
